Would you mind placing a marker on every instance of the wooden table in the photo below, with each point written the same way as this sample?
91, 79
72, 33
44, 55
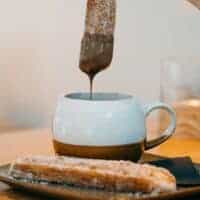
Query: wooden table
33, 142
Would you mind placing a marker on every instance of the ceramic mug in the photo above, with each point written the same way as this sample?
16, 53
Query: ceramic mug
111, 126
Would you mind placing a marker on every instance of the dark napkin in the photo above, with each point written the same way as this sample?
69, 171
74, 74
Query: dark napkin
182, 168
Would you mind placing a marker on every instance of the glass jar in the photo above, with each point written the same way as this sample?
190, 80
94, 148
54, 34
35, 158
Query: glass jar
180, 87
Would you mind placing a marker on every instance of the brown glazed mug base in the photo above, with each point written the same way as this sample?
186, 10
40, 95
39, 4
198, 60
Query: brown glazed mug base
130, 152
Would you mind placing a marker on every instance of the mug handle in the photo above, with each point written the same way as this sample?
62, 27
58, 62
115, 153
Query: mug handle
168, 132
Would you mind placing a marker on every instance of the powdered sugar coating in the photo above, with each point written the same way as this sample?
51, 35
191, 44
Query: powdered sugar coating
150, 178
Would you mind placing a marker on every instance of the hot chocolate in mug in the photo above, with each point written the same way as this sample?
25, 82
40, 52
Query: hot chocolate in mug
111, 126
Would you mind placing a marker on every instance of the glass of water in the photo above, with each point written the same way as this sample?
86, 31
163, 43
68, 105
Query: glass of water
180, 87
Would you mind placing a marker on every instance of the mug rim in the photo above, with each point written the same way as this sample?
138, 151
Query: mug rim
98, 96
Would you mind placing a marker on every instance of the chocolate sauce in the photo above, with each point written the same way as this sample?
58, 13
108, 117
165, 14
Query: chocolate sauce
91, 87
96, 55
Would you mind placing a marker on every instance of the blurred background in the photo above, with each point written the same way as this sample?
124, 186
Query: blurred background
39, 53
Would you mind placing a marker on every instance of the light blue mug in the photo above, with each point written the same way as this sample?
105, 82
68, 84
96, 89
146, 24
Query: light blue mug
111, 126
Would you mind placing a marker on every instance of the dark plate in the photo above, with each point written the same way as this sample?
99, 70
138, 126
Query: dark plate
75, 193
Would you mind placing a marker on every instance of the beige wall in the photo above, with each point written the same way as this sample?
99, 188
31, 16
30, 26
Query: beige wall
39, 51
